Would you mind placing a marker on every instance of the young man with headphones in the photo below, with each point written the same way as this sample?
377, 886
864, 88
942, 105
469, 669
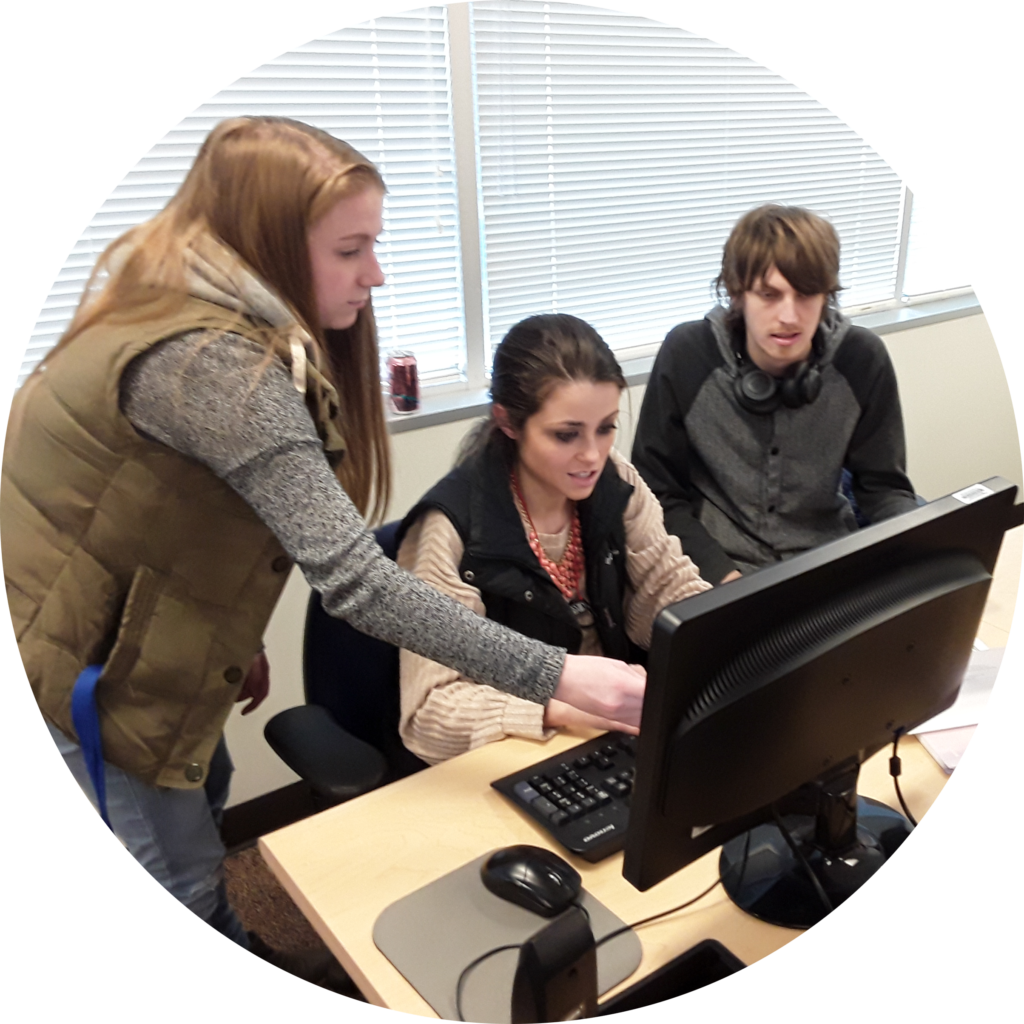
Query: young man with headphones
751, 414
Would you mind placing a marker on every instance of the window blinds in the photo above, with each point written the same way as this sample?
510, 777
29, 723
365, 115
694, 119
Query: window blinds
382, 86
616, 153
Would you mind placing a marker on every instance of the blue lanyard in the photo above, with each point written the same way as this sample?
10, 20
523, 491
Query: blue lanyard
87, 724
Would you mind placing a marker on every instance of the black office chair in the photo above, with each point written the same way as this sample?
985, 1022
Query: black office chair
344, 740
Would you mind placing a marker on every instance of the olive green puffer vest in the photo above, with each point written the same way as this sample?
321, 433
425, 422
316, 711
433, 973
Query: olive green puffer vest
119, 551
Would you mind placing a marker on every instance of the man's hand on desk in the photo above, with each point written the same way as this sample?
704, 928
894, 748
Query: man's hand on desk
602, 688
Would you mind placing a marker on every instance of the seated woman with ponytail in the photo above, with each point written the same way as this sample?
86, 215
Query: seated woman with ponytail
543, 527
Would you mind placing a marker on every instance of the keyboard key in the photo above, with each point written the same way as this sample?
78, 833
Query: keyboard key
525, 792
544, 806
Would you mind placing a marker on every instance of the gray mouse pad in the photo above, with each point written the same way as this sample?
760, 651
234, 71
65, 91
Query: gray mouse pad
432, 934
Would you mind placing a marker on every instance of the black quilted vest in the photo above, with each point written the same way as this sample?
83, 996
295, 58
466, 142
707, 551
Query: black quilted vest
498, 561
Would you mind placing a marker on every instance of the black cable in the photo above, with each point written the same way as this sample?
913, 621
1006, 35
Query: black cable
479, 960
578, 904
746, 856
654, 917
600, 942
895, 768
799, 854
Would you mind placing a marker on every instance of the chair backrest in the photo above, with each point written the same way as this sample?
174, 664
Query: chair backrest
355, 677
846, 486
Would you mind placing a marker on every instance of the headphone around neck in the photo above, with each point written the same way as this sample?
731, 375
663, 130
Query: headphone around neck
760, 392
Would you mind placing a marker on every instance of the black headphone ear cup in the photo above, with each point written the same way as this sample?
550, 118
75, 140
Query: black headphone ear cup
811, 386
790, 388
803, 387
756, 391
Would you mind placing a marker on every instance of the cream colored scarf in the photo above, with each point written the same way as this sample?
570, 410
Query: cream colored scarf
217, 275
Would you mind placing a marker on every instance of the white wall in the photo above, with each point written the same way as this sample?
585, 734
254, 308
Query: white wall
960, 428
956, 406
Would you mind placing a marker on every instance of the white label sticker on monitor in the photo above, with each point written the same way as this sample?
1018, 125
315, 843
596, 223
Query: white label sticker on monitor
973, 493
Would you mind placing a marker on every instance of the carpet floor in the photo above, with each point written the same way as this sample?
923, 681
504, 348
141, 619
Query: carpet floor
264, 907
262, 904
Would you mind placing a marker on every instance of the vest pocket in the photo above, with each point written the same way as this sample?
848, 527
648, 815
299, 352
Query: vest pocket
145, 589
163, 648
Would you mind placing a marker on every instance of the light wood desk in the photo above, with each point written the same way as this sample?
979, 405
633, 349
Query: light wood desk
344, 866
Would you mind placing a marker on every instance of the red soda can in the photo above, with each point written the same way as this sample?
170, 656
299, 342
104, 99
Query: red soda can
403, 382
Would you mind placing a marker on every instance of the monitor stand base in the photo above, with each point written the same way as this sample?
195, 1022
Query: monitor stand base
765, 878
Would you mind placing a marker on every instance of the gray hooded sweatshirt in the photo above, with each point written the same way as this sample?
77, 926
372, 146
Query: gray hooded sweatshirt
743, 489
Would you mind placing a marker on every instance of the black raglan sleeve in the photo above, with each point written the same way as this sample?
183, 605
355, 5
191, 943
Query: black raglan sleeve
661, 448
877, 456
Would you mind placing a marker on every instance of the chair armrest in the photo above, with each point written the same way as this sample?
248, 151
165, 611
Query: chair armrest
336, 764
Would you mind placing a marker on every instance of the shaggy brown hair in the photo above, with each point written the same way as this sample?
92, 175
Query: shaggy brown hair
802, 246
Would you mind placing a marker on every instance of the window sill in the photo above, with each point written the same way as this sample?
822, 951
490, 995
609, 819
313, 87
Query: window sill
466, 405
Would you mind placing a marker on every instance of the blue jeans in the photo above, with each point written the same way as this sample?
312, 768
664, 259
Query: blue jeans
173, 833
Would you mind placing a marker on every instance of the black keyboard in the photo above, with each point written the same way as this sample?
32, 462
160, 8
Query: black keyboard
580, 796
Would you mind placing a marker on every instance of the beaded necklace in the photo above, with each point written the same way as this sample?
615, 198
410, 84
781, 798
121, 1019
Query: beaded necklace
565, 573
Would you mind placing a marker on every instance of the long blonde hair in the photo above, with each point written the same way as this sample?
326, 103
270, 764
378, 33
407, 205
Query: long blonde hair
256, 186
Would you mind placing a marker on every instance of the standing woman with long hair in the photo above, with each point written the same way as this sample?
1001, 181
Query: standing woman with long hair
212, 416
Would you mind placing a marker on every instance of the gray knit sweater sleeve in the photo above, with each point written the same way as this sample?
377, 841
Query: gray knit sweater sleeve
224, 405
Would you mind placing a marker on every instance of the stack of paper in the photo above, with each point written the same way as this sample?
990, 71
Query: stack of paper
982, 734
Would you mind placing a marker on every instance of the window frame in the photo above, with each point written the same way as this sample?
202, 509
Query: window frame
933, 186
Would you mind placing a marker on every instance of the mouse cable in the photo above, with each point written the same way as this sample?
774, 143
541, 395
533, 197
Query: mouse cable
799, 854
475, 963
600, 942
895, 769
578, 904
682, 906
654, 917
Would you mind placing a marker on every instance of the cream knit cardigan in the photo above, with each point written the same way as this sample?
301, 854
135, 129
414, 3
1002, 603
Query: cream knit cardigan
443, 713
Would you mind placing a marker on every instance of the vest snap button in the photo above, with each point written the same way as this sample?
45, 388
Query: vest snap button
469, 576
528, 595
233, 674
281, 563
194, 772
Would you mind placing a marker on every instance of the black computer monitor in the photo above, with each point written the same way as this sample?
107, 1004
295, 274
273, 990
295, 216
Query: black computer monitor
766, 694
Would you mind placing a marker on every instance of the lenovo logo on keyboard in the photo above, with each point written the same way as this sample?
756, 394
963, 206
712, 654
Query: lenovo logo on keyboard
600, 832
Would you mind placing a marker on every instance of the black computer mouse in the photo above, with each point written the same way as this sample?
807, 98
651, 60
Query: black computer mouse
531, 877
